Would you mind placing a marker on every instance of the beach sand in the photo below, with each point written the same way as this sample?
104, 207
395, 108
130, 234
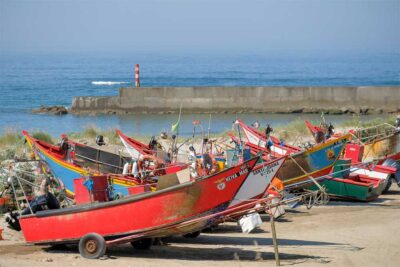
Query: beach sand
339, 234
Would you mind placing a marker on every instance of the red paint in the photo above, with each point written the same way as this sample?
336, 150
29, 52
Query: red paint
82, 194
139, 146
136, 214
139, 189
354, 152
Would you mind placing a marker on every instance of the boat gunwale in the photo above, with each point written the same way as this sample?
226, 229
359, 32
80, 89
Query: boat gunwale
130, 198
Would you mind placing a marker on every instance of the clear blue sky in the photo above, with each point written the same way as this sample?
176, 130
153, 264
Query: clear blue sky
327, 26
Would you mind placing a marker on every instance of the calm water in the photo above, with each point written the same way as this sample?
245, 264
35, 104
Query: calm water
28, 81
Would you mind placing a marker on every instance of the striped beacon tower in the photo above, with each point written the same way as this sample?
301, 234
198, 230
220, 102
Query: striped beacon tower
137, 80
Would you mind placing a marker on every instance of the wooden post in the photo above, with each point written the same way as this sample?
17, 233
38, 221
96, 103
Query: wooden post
274, 240
137, 80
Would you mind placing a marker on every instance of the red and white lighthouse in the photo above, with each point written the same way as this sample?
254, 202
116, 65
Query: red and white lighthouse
137, 80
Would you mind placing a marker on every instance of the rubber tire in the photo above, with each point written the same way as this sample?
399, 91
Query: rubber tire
96, 240
142, 244
388, 185
192, 235
395, 164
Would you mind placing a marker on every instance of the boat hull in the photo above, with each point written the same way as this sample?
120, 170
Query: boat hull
136, 214
300, 164
381, 148
66, 171
348, 189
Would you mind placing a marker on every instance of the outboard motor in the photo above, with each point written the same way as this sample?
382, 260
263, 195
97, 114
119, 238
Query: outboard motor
100, 140
153, 143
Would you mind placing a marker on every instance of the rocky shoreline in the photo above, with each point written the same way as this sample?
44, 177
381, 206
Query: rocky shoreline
55, 110
61, 110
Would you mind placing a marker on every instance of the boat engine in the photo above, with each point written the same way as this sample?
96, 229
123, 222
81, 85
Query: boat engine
100, 140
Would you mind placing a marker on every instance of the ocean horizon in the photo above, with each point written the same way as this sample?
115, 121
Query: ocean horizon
31, 80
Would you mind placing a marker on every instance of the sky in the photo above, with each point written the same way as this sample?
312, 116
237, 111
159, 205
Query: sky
194, 26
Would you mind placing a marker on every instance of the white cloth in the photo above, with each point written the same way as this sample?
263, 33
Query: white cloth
249, 222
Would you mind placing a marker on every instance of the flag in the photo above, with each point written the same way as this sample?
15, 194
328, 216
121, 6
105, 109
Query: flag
175, 127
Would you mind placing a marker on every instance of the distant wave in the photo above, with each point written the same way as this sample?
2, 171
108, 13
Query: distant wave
107, 83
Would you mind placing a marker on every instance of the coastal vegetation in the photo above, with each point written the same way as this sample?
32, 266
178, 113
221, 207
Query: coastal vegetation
12, 142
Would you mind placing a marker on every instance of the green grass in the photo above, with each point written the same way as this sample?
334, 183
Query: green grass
10, 137
292, 130
42, 136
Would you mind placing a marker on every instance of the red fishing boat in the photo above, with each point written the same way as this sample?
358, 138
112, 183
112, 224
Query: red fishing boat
134, 147
151, 214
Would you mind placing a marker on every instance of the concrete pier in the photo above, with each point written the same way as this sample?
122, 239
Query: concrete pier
334, 100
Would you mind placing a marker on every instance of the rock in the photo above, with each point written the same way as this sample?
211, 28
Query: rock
55, 110
310, 111
345, 110
364, 111
335, 112
300, 110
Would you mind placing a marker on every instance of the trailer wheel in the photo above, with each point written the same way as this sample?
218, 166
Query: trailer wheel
142, 244
394, 178
92, 246
388, 185
192, 235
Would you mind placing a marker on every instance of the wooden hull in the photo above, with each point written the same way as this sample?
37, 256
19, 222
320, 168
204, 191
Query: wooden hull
382, 147
353, 189
258, 181
316, 161
134, 147
141, 213
66, 171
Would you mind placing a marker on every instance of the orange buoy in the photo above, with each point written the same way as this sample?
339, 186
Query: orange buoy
276, 186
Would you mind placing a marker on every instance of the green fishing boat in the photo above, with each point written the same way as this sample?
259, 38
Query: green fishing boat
344, 185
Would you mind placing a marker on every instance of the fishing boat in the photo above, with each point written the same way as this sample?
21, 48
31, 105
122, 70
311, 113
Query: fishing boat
375, 142
254, 187
66, 164
301, 164
346, 184
379, 143
134, 147
95, 225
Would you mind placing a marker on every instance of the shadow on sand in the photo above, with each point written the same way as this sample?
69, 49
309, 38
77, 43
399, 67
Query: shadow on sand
189, 253
196, 249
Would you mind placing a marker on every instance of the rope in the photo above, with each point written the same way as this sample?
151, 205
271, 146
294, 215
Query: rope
306, 173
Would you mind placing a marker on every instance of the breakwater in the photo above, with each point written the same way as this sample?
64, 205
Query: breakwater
332, 100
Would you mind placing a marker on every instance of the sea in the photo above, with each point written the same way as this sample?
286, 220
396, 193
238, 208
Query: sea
29, 80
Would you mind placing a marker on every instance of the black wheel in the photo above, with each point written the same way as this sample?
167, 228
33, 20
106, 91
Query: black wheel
192, 235
92, 246
388, 185
142, 244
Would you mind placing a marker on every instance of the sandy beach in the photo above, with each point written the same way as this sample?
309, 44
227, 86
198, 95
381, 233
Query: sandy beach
339, 234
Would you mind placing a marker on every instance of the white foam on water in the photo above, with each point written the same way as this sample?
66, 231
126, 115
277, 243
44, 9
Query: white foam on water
106, 83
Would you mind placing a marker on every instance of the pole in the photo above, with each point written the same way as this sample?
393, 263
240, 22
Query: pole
274, 240
137, 80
